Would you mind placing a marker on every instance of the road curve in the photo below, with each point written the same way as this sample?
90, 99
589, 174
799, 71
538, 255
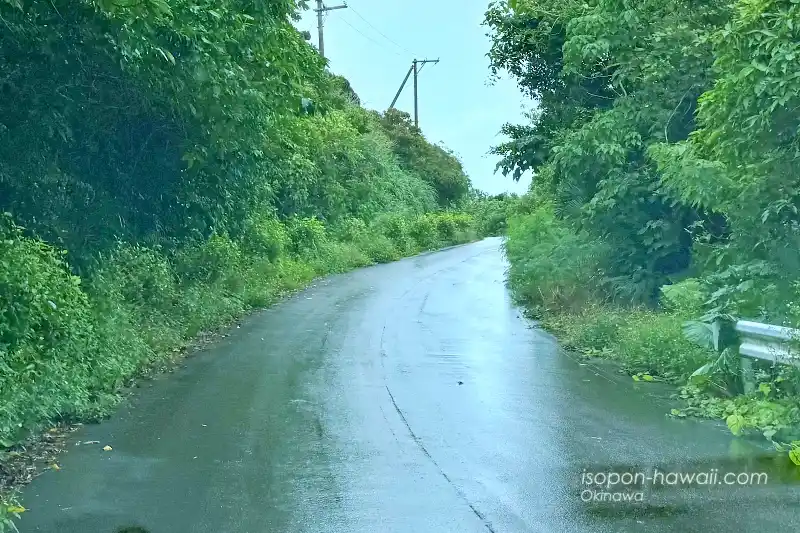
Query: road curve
408, 397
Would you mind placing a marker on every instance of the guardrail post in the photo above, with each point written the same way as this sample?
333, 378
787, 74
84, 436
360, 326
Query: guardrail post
748, 377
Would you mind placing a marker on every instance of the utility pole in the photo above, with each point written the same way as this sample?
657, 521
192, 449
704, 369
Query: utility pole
416, 67
321, 10
416, 93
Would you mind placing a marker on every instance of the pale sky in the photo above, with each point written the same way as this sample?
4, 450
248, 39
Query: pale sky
372, 44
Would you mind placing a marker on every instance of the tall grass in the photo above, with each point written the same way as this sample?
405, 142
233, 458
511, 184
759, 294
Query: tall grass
558, 273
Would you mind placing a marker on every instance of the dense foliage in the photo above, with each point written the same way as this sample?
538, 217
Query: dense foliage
166, 165
433, 163
665, 152
173, 121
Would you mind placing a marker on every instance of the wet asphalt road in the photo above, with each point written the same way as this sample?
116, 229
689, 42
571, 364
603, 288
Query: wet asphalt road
408, 397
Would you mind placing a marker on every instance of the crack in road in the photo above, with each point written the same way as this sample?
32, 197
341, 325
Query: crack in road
484, 520
422, 447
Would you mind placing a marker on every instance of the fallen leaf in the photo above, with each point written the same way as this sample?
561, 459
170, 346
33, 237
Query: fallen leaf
107, 448
794, 455
735, 423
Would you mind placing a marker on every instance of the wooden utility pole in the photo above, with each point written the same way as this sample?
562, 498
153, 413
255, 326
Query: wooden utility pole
416, 93
416, 66
321, 10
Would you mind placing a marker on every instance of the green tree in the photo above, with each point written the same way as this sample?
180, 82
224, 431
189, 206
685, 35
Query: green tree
433, 163
612, 78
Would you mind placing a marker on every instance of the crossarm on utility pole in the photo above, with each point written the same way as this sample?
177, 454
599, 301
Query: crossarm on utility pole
425, 62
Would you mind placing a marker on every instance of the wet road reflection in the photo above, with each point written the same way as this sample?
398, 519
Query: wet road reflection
408, 397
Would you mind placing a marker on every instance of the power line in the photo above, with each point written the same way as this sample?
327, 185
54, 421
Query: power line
359, 15
369, 38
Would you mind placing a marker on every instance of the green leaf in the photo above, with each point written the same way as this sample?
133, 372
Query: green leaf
735, 424
768, 33
702, 373
162, 7
701, 333
166, 55
794, 455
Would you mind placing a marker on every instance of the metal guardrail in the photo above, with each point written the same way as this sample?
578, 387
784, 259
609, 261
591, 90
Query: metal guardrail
768, 343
